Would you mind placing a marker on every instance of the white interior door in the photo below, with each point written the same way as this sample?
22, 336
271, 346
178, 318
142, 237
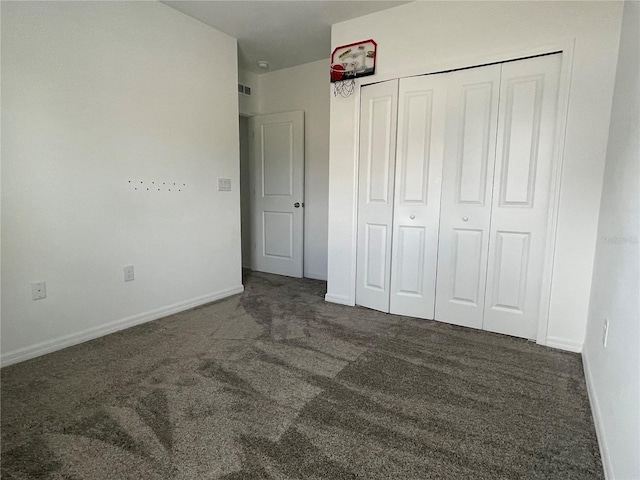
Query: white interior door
277, 183
375, 194
418, 177
472, 113
519, 218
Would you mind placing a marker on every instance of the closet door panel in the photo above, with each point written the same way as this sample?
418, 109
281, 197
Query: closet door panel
469, 155
473, 143
420, 150
510, 269
376, 194
409, 262
415, 144
518, 151
467, 284
524, 160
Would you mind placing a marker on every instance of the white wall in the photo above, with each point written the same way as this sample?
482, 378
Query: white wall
425, 37
249, 105
306, 87
94, 95
613, 374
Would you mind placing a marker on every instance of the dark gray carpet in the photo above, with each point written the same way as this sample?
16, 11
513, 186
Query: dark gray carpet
278, 384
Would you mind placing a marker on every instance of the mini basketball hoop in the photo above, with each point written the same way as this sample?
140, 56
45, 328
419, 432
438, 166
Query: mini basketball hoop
343, 79
349, 62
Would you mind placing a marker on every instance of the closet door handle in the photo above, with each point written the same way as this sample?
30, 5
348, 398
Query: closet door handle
412, 217
465, 219
297, 205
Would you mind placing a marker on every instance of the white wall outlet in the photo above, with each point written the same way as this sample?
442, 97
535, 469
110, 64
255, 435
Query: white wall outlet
605, 332
38, 290
128, 273
224, 184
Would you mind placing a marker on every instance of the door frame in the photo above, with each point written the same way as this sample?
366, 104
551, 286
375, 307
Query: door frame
247, 203
566, 48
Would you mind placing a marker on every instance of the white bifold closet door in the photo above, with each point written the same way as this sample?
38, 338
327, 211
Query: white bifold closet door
521, 195
399, 194
375, 194
418, 177
453, 204
470, 140
495, 195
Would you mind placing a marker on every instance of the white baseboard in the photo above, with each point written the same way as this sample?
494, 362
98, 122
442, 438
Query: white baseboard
315, 276
597, 420
48, 346
564, 344
341, 299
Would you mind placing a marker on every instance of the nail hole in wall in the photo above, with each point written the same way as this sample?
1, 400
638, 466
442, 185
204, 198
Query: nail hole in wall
153, 182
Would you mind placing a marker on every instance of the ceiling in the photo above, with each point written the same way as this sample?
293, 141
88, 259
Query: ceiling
284, 33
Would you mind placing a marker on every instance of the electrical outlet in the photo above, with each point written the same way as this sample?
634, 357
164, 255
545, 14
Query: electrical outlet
38, 290
605, 332
128, 273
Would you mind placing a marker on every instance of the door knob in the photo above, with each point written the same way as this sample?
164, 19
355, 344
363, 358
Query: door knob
297, 204
412, 217
465, 219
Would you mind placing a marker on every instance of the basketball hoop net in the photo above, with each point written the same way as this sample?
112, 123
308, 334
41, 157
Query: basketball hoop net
343, 78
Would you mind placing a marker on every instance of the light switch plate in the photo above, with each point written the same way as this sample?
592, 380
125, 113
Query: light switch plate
224, 184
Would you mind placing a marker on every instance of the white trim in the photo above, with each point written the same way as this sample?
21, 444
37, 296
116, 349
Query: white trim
562, 113
597, 420
356, 187
59, 343
566, 47
564, 344
498, 56
315, 276
340, 299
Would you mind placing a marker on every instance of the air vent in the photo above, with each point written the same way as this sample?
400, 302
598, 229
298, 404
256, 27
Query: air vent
244, 89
